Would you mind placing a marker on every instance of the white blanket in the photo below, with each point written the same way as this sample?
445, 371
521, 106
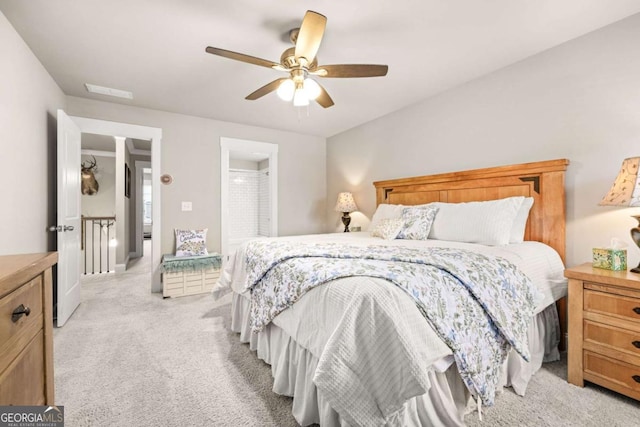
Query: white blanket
380, 331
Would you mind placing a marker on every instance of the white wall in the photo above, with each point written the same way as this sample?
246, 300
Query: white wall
242, 164
103, 203
579, 101
244, 203
29, 99
191, 154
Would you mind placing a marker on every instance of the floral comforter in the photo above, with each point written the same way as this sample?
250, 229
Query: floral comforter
479, 305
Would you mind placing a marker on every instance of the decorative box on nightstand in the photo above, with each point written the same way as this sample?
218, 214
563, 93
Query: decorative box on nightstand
604, 329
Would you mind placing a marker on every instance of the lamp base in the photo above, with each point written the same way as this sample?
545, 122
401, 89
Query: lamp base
635, 235
346, 220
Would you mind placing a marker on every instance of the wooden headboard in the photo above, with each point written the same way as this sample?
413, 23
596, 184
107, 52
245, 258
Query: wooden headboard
544, 181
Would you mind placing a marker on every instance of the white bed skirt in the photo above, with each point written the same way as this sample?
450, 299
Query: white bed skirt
293, 368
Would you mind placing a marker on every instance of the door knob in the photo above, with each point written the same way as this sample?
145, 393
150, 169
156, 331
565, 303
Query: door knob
60, 228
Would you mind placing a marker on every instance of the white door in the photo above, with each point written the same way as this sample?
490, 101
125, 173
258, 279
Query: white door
69, 214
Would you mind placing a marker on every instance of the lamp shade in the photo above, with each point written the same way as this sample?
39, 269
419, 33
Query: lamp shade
286, 90
345, 203
626, 188
311, 88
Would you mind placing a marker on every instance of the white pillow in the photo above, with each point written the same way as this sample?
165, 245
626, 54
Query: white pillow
417, 222
385, 211
191, 242
388, 228
520, 222
487, 223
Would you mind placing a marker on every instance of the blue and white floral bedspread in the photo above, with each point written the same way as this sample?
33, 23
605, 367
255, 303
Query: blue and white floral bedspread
479, 305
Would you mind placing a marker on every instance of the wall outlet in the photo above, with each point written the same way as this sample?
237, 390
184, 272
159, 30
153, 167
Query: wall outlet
358, 228
187, 206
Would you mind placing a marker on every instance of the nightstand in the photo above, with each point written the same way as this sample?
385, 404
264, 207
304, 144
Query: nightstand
604, 329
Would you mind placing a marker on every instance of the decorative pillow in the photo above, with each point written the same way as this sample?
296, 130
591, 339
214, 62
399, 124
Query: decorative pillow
520, 222
388, 228
487, 223
417, 222
191, 242
385, 211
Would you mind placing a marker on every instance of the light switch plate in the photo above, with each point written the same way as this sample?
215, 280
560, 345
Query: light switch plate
187, 206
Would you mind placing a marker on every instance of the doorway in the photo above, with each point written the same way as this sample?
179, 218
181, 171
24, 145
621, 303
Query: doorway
98, 204
108, 245
126, 132
249, 192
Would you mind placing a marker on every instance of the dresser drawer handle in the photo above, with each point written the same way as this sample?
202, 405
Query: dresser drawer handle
637, 310
636, 378
636, 344
20, 311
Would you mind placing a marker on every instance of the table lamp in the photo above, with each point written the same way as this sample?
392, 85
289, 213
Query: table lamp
346, 204
626, 192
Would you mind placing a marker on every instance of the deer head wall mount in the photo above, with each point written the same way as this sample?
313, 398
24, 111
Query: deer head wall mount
89, 185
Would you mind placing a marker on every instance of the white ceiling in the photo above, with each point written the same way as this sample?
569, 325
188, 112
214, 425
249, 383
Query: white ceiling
247, 155
156, 49
92, 141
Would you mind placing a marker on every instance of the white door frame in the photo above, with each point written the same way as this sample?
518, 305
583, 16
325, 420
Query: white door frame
233, 144
141, 164
104, 127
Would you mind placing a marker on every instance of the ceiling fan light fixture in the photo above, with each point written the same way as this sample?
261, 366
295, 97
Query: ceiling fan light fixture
286, 90
300, 98
311, 88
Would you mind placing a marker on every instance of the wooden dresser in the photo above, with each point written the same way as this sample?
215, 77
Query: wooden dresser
26, 329
604, 329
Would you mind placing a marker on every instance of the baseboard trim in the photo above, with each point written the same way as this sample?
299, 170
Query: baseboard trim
121, 268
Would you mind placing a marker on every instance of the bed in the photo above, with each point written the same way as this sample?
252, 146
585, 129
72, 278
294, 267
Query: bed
358, 351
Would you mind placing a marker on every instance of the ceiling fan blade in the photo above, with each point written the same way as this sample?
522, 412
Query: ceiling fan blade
310, 36
324, 99
242, 57
350, 70
268, 88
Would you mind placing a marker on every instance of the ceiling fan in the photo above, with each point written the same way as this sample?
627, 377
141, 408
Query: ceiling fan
301, 62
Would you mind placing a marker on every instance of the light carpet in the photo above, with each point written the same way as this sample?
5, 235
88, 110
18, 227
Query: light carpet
130, 358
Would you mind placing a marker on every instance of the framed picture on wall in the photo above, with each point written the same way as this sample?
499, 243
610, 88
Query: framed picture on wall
127, 181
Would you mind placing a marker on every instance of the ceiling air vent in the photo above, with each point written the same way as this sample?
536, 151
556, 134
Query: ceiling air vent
108, 91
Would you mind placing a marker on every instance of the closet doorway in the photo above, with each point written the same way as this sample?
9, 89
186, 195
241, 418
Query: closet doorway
249, 192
